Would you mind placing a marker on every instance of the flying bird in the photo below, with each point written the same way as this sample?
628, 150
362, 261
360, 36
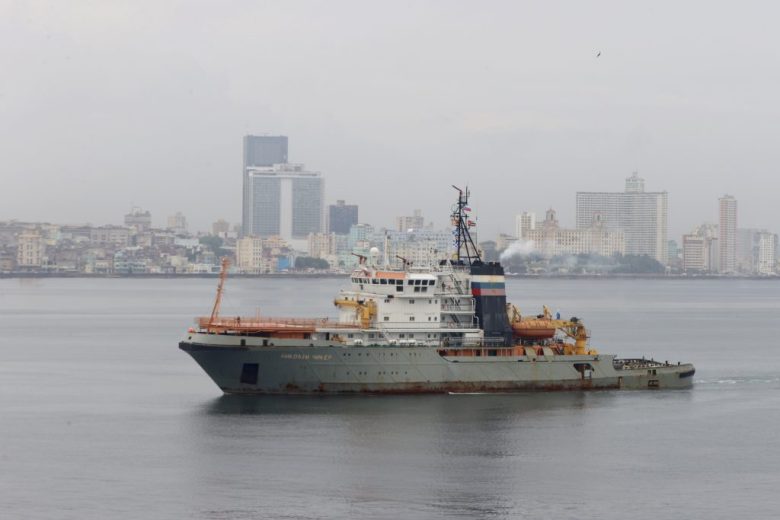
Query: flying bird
598, 54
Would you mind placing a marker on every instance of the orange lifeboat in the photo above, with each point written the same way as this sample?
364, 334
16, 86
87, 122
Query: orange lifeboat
533, 328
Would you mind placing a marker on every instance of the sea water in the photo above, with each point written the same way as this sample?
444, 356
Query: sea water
102, 416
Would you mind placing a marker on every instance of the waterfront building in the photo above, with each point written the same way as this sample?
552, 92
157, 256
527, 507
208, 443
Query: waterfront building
7, 262
30, 249
259, 151
765, 261
641, 215
727, 234
524, 223
695, 253
700, 250
285, 200
322, 245
550, 240
747, 249
341, 217
673, 253
263, 255
139, 220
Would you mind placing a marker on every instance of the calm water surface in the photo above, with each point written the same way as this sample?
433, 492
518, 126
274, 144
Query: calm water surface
101, 416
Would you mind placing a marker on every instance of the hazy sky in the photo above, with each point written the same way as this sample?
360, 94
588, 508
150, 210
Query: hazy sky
105, 105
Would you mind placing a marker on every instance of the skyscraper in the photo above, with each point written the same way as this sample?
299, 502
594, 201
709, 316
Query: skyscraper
727, 234
524, 223
341, 217
405, 223
284, 200
641, 215
259, 151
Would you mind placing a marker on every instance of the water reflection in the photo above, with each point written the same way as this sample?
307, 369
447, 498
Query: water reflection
429, 455
458, 406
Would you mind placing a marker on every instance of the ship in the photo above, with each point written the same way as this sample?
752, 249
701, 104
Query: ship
445, 327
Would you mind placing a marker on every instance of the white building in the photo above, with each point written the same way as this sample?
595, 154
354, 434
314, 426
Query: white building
641, 215
551, 240
727, 234
767, 243
524, 223
284, 200
700, 249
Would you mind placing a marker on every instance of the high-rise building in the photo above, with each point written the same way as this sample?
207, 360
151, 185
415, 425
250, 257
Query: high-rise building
641, 215
406, 223
259, 151
341, 217
727, 234
765, 262
178, 223
524, 223
284, 200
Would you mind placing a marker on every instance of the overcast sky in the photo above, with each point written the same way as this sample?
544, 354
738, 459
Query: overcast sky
105, 105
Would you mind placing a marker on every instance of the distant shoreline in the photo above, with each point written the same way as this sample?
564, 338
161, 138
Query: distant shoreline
627, 276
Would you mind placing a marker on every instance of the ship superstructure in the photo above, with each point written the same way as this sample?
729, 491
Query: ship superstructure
444, 327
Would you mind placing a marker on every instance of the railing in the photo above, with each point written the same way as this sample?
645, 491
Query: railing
455, 307
459, 343
263, 323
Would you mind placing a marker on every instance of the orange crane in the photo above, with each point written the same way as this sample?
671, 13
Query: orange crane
218, 300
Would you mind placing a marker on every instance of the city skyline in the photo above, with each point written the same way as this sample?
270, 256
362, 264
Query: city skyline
149, 114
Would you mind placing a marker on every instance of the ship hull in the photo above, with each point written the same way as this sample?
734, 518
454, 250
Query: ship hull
389, 369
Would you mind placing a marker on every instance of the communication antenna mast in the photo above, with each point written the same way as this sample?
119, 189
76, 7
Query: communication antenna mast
465, 250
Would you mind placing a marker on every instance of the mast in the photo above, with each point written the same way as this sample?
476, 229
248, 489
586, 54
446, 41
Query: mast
220, 286
465, 250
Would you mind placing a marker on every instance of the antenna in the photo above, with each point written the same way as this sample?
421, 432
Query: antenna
465, 250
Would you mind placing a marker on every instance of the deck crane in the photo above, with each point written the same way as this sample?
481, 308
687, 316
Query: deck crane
543, 326
218, 300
